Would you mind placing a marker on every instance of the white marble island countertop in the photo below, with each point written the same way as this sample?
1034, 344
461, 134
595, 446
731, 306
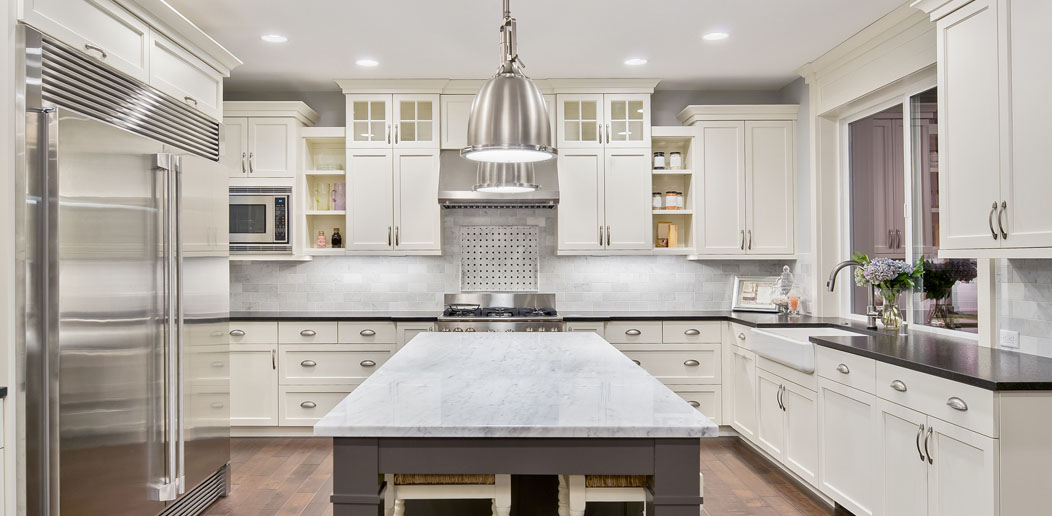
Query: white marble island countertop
513, 385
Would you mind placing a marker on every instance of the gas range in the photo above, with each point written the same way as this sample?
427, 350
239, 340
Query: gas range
500, 312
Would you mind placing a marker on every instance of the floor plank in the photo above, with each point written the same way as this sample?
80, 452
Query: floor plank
293, 477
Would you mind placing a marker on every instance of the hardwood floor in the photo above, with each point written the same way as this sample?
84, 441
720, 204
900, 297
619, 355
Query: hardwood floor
293, 477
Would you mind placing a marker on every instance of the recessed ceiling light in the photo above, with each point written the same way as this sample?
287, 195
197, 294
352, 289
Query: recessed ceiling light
635, 61
273, 38
715, 36
367, 62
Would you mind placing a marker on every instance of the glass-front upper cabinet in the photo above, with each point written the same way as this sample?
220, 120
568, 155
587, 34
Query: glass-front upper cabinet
385, 120
597, 120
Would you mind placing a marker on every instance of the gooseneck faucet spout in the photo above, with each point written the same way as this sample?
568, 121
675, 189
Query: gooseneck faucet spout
871, 305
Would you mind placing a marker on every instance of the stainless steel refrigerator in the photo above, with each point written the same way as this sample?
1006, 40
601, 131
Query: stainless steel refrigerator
123, 358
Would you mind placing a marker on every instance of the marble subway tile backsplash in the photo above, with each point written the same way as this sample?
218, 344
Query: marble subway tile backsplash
1025, 303
418, 282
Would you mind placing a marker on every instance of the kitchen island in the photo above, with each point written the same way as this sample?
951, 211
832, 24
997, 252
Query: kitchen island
514, 403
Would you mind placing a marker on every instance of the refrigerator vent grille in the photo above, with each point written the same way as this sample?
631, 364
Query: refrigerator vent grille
261, 189
76, 81
196, 501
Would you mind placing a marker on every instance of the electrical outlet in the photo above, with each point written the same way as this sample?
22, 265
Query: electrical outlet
1009, 339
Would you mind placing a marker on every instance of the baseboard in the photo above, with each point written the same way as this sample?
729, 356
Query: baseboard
271, 431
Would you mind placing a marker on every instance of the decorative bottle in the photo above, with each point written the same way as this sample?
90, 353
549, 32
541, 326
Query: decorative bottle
337, 240
321, 242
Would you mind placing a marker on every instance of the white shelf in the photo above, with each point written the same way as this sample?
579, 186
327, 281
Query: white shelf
325, 212
328, 251
325, 172
673, 212
672, 172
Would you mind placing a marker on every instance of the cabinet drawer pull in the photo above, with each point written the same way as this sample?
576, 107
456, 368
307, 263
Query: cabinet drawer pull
88, 47
237, 333
898, 385
741, 336
217, 405
308, 333
692, 332
778, 398
990, 220
749, 247
920, 432
957, 404
843, 369
742, 243
308, 404
691, 363
308, 363
608, 236
189, 99
274, 359
217, 364
694, 403
252, 163
367, 333
636, 362
633, 332
367, 363
1000, 215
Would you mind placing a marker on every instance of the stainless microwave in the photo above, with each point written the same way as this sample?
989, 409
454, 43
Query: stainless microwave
259, 219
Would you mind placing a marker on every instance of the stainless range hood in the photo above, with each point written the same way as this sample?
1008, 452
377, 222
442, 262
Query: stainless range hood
458, 176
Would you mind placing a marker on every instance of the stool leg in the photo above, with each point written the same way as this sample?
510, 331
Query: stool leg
564, 497
389, 495
502, 498
577, 495
399, 507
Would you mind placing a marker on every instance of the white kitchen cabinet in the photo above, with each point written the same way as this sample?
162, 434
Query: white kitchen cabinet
306, 405
401, 121
770, 186
721, 187
235, 146
903, 465
786, 426
455, 110
261, 138
597, 328
417, 215
604, 202
743, 392
770, 417
627, 206
848, 425
962, 475
182, 75
594, 120
393, 200
370, 194
272, 147
407, 330
254, 385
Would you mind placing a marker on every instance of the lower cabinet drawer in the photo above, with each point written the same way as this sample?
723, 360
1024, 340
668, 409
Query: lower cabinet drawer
689, 332
205, 363
618, 332
963, 405
846, 368
304, 406
707, 399
307, 332
698, 364
328, 365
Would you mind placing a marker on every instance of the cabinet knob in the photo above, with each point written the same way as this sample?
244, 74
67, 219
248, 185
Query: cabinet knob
898, 385
692, 332
367, 363
691, 363
237, 333
367, 333
741, 336
694, 403
633, 332
843, 369
217, 405
308, 333
957, 404
308, 404
308, 363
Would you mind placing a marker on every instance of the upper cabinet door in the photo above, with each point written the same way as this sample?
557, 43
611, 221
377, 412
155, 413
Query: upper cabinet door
99, 28
628, 205
454, 120
370, 194
627, 120
770, 187
272, 147
1026, 185
581, 198
418, 218
369, 121
416, 121
720, 215
235, 146
185, 77
581, 122
970, 127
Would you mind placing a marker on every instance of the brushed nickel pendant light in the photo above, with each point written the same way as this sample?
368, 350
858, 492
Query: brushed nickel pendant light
506, 178
509, 119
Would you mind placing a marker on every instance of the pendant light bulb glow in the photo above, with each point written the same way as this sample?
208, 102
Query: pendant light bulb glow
509, 118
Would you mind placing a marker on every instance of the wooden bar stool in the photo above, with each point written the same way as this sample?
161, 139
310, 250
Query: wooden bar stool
398, 488
575, 491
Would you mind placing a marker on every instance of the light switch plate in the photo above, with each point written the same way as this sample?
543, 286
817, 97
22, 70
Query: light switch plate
1009, 339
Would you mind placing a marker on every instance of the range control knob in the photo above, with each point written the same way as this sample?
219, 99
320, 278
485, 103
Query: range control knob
492, 330
508, 331
445, 329
458, 329
529, 328
541, 328
470, 329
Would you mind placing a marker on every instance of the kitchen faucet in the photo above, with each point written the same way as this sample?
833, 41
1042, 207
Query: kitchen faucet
871, 308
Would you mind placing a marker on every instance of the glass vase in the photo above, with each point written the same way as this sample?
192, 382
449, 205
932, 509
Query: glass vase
890, 314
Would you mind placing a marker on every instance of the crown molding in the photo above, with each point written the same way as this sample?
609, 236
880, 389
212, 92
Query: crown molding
472, 86
175, 26
709, 113
276, 108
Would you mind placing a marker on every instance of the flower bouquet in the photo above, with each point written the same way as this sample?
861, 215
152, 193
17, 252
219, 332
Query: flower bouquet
939, 279
890, 278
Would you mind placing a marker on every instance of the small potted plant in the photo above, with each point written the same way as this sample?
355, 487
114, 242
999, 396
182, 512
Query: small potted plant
890, 278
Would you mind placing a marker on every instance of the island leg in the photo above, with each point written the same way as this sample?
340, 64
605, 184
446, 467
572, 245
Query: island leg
355, 477
677, 464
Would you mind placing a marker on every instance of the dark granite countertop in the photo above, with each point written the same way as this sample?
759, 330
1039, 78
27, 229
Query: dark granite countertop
405, 316
955, 359
751, 319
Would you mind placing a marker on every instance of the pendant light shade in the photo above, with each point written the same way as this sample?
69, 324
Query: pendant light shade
506, 178
509, 119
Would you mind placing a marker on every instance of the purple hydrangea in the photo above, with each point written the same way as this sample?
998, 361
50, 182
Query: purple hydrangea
885, 269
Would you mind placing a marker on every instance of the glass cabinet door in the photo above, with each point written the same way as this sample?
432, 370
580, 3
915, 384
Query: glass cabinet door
416, 121
580, 120
369, 121
627, 120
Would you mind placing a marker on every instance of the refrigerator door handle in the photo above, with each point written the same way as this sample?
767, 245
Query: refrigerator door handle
180, 464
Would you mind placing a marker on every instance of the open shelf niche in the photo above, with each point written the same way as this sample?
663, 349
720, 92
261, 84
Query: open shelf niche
324, 193
668, 140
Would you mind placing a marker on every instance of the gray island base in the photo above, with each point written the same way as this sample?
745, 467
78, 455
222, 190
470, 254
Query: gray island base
514, 403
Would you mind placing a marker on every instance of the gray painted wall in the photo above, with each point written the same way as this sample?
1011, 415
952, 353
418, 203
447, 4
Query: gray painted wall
666, 104
331, 105
798, 92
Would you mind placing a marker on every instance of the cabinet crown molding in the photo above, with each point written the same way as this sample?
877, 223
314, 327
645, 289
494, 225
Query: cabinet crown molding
279, 108
161, 15
938, 8
472, 86
693, 114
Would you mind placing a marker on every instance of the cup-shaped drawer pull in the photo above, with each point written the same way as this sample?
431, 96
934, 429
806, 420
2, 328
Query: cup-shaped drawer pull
694, 403
308, 363
308, 404
843, 369
691, 363
957, 404
693, 332
898, 385
217, 405
636, 362
237, 333
367, 363
367, 333
633, 332
217, 364
308, 333
741, 336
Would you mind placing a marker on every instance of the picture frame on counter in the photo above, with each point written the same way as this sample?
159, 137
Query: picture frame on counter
753, 294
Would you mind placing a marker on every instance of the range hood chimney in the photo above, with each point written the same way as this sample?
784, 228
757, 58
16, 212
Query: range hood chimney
459, 176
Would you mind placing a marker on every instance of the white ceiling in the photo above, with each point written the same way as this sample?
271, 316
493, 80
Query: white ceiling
457, 39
